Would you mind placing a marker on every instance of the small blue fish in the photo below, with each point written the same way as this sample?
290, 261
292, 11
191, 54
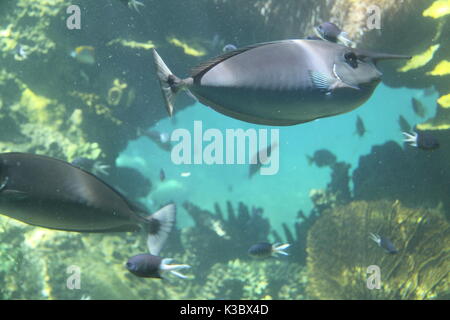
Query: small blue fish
265, 249
384, 243
84, 54
404, 124
94, 166
150, 266
421, 140
360, 127
20, 52
162, 175
418, 107
322, 158
330, 32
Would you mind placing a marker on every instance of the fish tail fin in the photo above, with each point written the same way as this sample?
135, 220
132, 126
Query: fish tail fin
159, 226
173, 268
169, 83
279, 248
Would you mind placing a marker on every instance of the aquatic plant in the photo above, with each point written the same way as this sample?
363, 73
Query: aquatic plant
215, 238
340, 251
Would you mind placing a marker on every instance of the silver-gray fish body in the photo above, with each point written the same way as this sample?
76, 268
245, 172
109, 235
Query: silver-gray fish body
54, 194
285, 82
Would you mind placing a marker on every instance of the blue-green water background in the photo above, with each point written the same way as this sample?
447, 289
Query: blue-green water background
284, 193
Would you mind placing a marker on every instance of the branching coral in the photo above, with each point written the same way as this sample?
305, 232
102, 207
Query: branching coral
340, 251
271, 279
216, 239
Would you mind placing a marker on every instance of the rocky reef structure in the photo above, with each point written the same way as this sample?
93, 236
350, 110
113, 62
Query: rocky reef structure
38, 263
216, 238
340, 251
416, 177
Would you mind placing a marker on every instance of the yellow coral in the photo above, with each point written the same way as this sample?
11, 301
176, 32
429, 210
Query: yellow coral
420, 60
133, 44
115, 93
187, 49
39, 109
420, 269
444, 101
442, 69
438, 9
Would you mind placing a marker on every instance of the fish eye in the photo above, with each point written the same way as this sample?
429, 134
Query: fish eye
351, 59
129, 265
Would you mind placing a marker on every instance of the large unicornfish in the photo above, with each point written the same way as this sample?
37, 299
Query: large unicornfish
280, 83
54, 194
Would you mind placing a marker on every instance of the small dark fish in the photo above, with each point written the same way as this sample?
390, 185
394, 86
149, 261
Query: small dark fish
418, 107
229, 47
161, 139
360, 127
330, 32
322, 158
265, 249
421, 140
404, 124
54, 194
162, 175
258, 159
384, 243
94, 166
150, 266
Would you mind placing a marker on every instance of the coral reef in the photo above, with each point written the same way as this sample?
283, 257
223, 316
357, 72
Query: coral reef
21, 275
233, 235
36, 263
340, 251
272, 279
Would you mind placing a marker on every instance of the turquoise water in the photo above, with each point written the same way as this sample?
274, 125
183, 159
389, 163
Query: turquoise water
283, 194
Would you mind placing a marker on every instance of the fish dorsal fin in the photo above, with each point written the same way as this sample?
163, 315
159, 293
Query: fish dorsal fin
204, 67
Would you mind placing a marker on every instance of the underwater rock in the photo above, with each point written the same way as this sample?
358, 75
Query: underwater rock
415, 177
340, 252
339, 185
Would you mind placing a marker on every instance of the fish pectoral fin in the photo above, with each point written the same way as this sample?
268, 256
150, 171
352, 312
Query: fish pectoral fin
321, 81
